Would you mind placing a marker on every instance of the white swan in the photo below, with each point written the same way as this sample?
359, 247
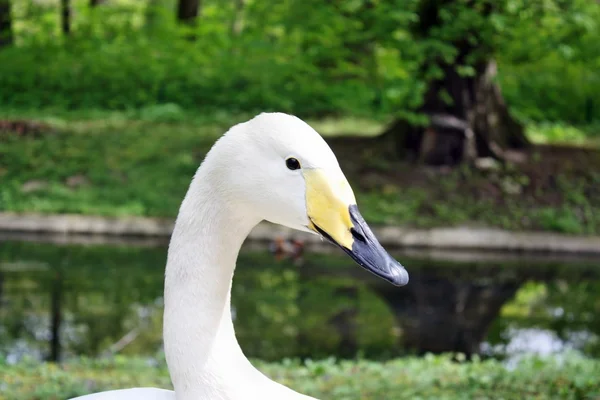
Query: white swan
274, 167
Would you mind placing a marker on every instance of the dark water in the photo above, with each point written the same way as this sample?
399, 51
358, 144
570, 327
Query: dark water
57, 301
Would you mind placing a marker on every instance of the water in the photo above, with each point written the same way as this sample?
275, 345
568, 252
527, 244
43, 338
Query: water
60, 300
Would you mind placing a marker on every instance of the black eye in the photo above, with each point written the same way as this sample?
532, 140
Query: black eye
292, 163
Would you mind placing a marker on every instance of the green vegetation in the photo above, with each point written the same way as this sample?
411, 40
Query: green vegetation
108, 110
279, 305
431, 377
118, 164
108, 290
349, 58
560, 133
135, 99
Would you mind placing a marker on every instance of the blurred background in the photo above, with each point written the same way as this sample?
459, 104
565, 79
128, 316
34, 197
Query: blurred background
474, 114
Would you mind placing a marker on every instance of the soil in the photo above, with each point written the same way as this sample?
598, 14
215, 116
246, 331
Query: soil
541, 176
24, 128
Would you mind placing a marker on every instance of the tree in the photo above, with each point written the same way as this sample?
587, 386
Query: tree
466, 113
237, 22
188, 11
6, 35
65, 12
56, 318
94, 3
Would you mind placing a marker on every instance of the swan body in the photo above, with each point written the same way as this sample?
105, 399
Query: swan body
274, 167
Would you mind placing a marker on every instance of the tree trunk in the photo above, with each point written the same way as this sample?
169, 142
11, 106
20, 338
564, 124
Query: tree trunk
65, 11
6, 34
188, 11
1, 288
237, 22
153, 13
56, 317
441, 313
344, 322
467, 114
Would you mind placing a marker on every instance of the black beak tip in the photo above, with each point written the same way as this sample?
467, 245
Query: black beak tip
398, 276
368, 253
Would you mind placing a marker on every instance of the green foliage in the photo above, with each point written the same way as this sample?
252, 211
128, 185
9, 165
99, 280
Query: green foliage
109, 290
269, 65
499, 199
357, 58
105, 164
431, 377
536, 301
552, 74
118, 161
561, 133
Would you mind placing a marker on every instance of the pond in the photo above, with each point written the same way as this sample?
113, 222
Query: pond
58, 300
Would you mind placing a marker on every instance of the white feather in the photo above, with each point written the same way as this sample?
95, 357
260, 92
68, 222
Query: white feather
242, 181
132, 394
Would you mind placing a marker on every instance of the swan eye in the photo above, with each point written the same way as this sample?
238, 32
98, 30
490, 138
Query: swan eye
292, 163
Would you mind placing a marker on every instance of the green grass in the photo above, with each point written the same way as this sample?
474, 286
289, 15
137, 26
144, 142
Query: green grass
130, 168
439, 207
431, 377
134, 163
172, 113
559, 133
140, 163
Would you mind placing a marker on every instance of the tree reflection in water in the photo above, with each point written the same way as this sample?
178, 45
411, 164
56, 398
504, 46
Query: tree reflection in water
57, 301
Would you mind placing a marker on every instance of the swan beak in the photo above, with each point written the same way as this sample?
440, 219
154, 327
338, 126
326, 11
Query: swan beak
333, 214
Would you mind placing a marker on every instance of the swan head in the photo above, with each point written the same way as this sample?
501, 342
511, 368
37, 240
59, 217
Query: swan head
275, 167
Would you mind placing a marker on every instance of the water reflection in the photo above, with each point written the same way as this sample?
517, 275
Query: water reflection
59, 300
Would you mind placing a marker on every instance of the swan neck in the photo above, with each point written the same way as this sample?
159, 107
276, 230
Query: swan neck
204, 358
199, 339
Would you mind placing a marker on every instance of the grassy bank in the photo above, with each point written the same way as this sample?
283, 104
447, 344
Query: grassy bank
141, 162
432, 377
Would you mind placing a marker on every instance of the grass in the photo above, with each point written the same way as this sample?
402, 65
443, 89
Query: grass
140, 163
430, 377
558, 133
172, 113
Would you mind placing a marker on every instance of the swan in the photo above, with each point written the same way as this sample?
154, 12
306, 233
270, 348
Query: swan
274, 167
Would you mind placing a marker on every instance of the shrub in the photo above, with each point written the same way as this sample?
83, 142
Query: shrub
431, 377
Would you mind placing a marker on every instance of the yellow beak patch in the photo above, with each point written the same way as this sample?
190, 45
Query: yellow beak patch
328, 199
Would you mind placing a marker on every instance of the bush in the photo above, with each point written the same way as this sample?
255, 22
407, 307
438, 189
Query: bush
335, 60
431, 377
